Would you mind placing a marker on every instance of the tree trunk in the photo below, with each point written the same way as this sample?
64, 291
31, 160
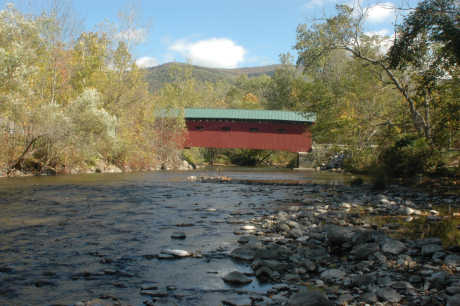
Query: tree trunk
21, 157
427, 115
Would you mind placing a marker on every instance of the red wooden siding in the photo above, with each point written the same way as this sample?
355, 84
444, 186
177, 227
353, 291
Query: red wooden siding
285, 136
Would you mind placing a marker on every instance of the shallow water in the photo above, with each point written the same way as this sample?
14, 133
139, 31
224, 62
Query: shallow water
72, 238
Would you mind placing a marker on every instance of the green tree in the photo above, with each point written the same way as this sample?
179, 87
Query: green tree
427, 48
345, 32
90, 56
19, 42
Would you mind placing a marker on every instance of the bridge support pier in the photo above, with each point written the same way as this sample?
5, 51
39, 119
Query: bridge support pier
305, 161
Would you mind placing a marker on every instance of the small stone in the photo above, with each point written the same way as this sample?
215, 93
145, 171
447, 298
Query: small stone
178, 235
438, 280
236, 277
310, 265
308, 297
406, 261
370, 297
149, 287
415, 279
389, 294
319, 283
248, 227
295, 233
237, 301
453, 300
165, 256
452, 260
291, 278
344, 299
430, 249
264, 274
452, 290
243, 253
336, 235
284, 227
407, 210
244, 239
426, 241
160, 293
381, 258
98, 302
177, 253
364, 250
402, 285
394, 247
332, 275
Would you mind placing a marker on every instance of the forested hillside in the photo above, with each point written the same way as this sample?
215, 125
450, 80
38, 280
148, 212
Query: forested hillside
159, 75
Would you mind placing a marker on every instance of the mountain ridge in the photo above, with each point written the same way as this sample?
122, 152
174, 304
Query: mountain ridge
157, 76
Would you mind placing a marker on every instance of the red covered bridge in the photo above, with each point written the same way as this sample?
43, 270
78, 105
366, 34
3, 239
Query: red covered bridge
249, 129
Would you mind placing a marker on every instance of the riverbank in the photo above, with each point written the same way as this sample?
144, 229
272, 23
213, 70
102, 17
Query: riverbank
97, 167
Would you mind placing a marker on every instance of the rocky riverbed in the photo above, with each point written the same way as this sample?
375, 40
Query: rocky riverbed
322, 251
317, 244
325, 250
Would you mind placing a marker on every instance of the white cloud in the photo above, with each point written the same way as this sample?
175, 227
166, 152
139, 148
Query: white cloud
213, 52
133, 35
380, 12
146, 62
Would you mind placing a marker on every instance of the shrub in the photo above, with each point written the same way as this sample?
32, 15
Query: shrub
360, 160
408, 157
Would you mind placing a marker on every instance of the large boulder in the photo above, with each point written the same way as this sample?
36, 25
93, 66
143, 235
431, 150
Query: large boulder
243, 253
273, 251
185, 165
363, 251
237, 278
337, 235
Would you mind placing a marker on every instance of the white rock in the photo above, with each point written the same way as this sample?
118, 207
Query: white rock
176, 252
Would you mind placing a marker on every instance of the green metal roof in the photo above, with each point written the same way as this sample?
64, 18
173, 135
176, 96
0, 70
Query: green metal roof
245, 114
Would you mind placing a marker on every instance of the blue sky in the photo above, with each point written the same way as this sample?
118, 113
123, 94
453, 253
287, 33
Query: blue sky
225, 33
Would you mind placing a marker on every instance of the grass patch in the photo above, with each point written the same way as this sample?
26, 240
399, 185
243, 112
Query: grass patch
446, 227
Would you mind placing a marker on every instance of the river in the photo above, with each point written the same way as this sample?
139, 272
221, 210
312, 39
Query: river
72, 238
